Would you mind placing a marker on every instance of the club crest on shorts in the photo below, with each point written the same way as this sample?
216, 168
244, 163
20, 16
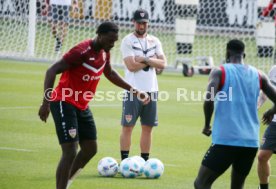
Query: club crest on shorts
72, 133
128, 118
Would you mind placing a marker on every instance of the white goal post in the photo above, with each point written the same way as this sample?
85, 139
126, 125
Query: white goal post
188, 29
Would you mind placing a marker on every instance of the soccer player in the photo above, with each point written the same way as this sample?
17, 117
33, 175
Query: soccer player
142, 55
81, 69
268, 9
59, 14
268, 145
235, 88
266, 12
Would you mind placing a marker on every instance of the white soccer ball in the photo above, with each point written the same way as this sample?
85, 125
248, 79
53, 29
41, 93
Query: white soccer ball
108, 167
141, 162
130, 168
153, 168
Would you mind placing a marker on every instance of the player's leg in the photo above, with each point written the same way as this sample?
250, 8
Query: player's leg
87, 141
69, 151
125, 140
205, 178
145, 141
264, 167
65, 118
237, 180
59, 35
56, 16
267, 148
131, 111
149, 119
216, 161
88, 148
242, 166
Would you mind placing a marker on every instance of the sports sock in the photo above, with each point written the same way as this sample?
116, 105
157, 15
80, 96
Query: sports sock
70, 181
264, 186
145, 156
124, 154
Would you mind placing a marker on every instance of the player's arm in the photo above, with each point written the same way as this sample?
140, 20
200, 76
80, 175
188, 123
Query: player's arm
208, 107
261, 100
158, 62
57, 68
117, 80
270, 92
129, 57
133, 64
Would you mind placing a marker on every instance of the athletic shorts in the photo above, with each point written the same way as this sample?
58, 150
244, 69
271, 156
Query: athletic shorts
219, 158
269, 138
134, 108
59, 12
72, 124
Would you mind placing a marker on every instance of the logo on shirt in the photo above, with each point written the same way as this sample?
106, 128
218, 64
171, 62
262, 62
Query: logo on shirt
87, 77
150, 41
92, 58
86, 50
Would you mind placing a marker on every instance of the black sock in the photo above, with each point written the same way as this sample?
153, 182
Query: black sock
145, 156
264, 186
124, 154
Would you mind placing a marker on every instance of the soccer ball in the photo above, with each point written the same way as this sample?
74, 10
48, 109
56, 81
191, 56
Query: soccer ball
141, 162
108, 167
130, 168
153, 168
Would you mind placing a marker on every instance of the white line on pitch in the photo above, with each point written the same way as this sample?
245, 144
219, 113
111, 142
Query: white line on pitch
17, 107
33, 107
104, 105
193, 103
16, 149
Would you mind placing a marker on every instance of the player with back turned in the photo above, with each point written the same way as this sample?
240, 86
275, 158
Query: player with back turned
235, 134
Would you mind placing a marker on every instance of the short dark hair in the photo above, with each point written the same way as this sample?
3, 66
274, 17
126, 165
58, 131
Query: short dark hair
235, 46
106, 27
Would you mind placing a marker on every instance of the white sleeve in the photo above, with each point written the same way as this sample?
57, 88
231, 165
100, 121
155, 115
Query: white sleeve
261, 99
272, 74
126, 48
159, 49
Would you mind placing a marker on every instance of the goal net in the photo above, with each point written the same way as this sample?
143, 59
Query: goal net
191, 31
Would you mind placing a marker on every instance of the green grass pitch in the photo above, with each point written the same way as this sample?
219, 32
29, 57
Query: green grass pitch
29, 149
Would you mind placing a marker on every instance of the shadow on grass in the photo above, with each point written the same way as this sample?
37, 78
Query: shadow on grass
118, 176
